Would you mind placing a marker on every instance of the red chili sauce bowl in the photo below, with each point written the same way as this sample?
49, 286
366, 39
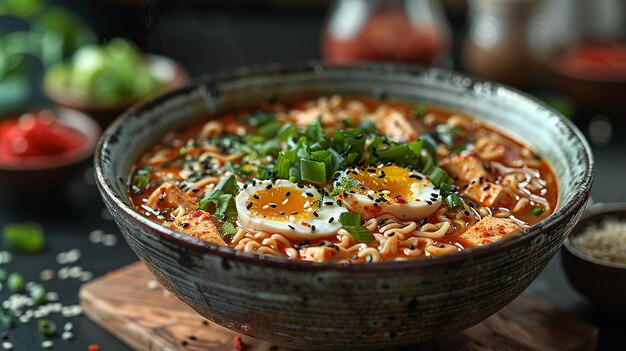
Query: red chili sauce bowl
41, 151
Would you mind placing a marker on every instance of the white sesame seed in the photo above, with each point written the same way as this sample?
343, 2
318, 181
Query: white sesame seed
152, 284
85, 276
29, 285
7, 345
75, 271
5, 257
24, 319
68, 326
109, 240
52, 296
67, 335
47, 275
96, 236
47, 344
63, 273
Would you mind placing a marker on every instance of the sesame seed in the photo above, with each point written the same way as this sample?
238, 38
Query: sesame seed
184, 225
281, 213
329, 203
310, 194
287, 193
273, 205
331, 219
268, 187
255, 196
312, 228
249, 205
291, 227
315, 214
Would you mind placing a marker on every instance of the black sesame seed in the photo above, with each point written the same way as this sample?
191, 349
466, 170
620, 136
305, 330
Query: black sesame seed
281, 213
309, 194
273, 205
328, 203
249, 205
268, 187
466, 213
184, 225
312, 228
315, 214
192, 337
291, 227
412, 247
294, 213
255, 196
245, 186
486, 187
287, 194
331, 219
224, 217
183, 342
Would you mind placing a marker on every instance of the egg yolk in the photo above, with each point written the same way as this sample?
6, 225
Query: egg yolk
279, 203
389, 182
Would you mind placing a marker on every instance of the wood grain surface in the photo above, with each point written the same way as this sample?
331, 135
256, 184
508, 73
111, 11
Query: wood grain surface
131, 305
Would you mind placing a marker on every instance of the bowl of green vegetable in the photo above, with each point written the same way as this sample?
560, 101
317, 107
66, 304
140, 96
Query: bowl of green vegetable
104, 80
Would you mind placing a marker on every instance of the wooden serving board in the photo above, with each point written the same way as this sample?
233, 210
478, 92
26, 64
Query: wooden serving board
130, 305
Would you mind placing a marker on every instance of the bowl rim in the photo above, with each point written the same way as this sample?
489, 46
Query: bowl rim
568, 209
594, 214
92, 133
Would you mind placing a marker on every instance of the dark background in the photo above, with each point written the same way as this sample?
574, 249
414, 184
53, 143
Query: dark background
211, 36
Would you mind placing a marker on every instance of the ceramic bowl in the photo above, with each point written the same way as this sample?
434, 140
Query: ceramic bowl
38, 177
602, 282
307, 305
170, 71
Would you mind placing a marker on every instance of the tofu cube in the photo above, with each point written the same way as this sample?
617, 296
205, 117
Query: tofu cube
488, 230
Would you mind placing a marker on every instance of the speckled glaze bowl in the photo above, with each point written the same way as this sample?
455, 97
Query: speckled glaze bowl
602, 282
308, 305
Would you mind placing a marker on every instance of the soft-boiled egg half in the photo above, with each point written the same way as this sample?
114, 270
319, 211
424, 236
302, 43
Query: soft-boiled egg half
388, 189
280, 206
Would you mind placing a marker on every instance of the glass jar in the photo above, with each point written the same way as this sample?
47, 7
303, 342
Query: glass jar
413, 31
502, 40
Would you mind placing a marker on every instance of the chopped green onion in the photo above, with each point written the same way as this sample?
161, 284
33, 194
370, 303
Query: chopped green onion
437, 176
419, 110
228, 230
394, 152
269, 130
351, 222
315, 132
368, 125
453, 200
259, 118
6, 318
350, 218
27, 237
142, 177
537, 211
221, 199
416, 147
282, 165
16, 283
47, 327
430, 144
313, 171
360, 233
38, 294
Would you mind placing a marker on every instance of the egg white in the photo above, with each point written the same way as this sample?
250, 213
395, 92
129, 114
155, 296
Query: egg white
325, 224
424, 200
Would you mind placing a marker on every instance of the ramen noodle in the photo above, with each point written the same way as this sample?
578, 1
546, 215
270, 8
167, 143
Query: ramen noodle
344, 180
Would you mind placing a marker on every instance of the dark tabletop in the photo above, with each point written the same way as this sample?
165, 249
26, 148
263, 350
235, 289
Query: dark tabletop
206, 40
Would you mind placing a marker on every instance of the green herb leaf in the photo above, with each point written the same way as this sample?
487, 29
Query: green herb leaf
313, 171
142, 177
419, 110
47, 327
346, 183
453, 200
16, 283
351, 222
221, 200
27, 237
438, 176
228, 230
537, 211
